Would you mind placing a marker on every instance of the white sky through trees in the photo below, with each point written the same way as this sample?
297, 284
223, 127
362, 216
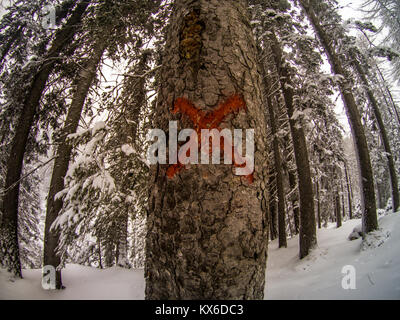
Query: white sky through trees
350, 9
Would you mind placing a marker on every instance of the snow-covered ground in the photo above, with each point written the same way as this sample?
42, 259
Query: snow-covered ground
316, 277
319, 276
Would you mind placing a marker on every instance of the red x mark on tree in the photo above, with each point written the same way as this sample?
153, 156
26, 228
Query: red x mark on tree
210, 120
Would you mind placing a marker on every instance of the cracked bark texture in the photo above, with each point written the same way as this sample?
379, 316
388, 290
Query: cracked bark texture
207, 228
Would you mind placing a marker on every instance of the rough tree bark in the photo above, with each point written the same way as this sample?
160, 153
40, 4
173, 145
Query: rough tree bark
369, 217
308, 236
206, 228
63, 157
9, 249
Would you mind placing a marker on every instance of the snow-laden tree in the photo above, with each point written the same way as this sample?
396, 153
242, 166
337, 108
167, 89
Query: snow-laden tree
387, 12
327, 25
26, 104
114, 28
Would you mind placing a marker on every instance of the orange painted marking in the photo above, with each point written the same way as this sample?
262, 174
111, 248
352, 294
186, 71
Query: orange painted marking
209, 120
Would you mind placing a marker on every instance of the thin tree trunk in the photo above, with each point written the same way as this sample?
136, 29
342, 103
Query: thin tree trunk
9, 250
318, 205
383, 134
277, 161
342, 199
279, 180
273, 218
63, 157
206, 228
308, 237
289, 220
369, 218
134, 103
272, 209
295, 205
337, 210
348, 187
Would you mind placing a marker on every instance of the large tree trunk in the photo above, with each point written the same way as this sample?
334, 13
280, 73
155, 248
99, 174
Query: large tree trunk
63, 156
9, 250
206, 228
308, 237
383, 134
370, 221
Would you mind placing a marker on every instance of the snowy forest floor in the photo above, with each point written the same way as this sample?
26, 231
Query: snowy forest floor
318, 276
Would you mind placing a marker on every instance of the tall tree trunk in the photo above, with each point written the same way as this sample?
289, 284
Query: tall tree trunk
383, 134
63, 157
134, 103
9, 250
273, 217
348, 187
342, 199
277, 160
122, 244
99, 252
369, 218
295, 206
318, 205
279, 179
308, 237
206, 228
337, 210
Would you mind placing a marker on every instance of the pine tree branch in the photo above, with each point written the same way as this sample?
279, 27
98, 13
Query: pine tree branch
3, 192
